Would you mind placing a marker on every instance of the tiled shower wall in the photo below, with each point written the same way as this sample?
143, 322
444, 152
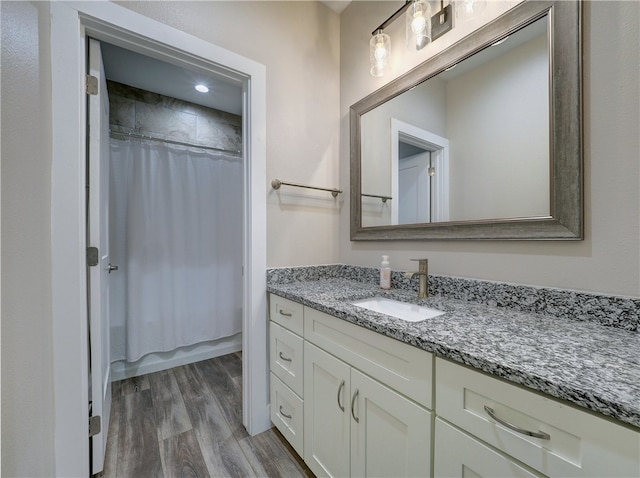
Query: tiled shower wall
151, 114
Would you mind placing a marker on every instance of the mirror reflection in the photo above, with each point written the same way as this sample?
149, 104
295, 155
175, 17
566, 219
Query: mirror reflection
469, 144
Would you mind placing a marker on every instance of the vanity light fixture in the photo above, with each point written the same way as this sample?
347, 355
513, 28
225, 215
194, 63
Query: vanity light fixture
202, 88
420, 26
466, 9
379, 52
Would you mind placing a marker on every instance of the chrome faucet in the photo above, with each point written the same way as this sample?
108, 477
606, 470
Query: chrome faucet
423, 273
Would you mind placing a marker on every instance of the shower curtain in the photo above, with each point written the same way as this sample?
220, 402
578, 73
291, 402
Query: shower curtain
176, 235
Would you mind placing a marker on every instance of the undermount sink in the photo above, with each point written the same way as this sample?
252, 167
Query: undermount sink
400, 310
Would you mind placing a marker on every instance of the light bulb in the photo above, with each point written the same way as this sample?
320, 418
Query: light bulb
466, 9
202, 88
379, 53
418, 23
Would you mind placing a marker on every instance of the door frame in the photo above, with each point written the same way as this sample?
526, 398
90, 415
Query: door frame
439, 148
71, 23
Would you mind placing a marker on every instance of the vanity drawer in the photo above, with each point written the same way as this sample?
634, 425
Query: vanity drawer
400, 366
580, 443
287, 413
286, 313
458, 455
286, 356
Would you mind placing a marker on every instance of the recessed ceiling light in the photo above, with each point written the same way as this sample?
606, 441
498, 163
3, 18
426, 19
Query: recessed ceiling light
202, 88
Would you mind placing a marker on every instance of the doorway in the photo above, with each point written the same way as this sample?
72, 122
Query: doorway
70, 26
175, 210
419, 175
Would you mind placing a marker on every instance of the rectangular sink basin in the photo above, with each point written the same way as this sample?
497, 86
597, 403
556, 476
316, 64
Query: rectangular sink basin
400, 310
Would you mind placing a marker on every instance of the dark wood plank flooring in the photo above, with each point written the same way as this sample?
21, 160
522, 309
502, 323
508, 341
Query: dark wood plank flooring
187, 422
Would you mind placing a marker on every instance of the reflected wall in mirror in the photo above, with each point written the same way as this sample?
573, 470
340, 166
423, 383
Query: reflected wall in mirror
482, 141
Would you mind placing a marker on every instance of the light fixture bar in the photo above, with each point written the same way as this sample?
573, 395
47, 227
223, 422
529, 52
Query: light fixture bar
395, 15
441, 22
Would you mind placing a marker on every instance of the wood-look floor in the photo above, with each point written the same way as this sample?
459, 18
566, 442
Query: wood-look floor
187, 422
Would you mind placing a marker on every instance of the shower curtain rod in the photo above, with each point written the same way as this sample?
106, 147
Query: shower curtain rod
171, 141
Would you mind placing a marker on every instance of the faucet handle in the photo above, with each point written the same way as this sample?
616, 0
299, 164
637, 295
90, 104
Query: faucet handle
423, 265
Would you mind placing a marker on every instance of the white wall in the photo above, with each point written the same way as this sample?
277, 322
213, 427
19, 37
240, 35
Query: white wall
27, 381
299, 44
509, 175
608, 260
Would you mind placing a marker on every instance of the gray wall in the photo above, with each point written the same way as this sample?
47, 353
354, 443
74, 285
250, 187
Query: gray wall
27, 373
144, 112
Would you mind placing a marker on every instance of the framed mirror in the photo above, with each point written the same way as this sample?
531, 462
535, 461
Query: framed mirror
482, 141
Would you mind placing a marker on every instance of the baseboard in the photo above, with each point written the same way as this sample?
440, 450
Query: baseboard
165, 360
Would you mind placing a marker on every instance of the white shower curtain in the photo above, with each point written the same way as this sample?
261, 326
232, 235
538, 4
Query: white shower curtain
176, 235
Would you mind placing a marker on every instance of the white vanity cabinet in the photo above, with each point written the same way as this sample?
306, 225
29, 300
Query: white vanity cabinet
353, 402
566, 441
365, 397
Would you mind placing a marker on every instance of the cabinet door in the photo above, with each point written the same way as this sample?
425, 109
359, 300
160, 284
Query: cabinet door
390, 435
326, 413
457, 455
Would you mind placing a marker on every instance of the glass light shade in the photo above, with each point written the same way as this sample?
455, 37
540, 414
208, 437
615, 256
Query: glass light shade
467, 9
379, 53
418, 25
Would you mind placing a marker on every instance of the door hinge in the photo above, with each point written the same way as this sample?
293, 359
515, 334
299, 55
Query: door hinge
93, 256
94, 425
91, 85
432, 171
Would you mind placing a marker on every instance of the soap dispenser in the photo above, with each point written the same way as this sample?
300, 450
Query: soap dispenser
385, 273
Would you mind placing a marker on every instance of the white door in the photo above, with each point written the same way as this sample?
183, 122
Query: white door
326, 413
98, 237
390, 435
414, 205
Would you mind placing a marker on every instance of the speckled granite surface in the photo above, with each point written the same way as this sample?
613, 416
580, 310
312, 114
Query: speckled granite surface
581, 361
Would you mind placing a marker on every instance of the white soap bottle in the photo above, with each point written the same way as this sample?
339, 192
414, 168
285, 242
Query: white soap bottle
385, 273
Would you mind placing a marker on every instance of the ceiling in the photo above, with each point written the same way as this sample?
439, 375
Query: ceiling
133, 69
337, 5
139, 71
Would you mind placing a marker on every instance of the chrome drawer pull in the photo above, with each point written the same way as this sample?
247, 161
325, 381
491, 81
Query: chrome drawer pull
340, 405
353, 401
284, 414
538, 434
286, 359
286, 314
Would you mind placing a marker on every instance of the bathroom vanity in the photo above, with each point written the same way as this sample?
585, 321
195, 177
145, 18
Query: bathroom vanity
477, 391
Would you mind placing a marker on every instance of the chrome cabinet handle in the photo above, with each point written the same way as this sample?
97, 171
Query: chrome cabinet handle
522, 431
353, 402
340, 405
286, 359
284, 414
111, 268
286, 314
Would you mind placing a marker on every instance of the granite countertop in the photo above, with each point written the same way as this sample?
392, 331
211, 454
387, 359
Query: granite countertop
585, 363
